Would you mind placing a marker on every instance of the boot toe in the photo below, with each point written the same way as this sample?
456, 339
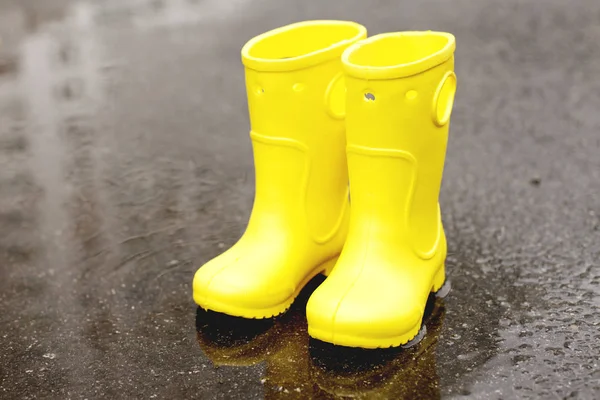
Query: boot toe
365, 314
201, 283
237, 289
320, 312
375, 321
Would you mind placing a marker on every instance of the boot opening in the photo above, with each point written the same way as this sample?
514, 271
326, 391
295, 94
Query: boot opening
398, 54
301, 45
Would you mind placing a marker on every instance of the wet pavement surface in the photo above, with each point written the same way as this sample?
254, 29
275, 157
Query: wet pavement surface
125, 163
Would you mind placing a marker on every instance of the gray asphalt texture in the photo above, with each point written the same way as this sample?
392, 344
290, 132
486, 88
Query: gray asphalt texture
125, 163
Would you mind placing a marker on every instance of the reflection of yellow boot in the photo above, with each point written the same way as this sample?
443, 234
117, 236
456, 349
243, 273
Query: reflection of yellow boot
280, 344
300, 215
232, 341
400, 92
380, 374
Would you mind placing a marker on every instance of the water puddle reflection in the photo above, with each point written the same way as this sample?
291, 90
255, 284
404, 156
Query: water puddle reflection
297, 366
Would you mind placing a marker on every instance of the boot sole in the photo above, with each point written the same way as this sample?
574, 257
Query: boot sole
406, 340
273, 311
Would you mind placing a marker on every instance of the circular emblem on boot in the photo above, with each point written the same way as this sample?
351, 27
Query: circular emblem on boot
443, 100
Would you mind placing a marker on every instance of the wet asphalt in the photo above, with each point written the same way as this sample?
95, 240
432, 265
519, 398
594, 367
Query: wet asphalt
125, 163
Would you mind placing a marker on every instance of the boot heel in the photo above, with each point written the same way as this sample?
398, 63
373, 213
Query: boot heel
441, 285
327, 266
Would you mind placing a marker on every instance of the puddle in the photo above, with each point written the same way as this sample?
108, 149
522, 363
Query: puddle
300, 367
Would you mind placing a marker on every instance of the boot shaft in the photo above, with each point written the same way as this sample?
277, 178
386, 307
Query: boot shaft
296, 96
400, 89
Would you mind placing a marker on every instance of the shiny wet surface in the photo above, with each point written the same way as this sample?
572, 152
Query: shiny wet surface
312, 369
125, 164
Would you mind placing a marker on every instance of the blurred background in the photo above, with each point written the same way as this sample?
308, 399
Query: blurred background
125, 164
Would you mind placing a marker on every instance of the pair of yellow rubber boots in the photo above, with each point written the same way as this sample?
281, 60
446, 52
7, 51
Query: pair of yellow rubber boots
349, 137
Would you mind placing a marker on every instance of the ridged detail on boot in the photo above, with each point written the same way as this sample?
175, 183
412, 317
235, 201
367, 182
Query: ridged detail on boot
279, 141
297, 145
335, 229
425, 254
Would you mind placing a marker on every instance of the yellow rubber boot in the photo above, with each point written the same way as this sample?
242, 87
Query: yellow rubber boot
400, 92
299, 220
